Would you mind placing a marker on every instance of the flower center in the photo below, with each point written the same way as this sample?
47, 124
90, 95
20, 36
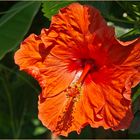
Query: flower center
87, 68
75, 88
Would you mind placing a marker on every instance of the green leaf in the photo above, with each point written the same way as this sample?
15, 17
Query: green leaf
18, 106
39, 130
15, 24
119, 31
135, 125
136, 103
130, 35
136, 95
50, 8
103, 6
131, 8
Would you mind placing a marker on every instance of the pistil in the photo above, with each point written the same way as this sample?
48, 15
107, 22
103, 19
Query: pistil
84, 73
74, 90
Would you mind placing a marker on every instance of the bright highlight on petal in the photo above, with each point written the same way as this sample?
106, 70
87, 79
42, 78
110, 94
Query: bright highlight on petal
85, 73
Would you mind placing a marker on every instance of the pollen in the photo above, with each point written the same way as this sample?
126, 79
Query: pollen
73, 91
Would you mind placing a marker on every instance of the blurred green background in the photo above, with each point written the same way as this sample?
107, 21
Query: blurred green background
19, 91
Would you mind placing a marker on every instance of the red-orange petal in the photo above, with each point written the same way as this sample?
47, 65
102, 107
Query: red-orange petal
133, 58
127, 53
75, 25
34, 58
109, 86
29, 53
57, 76
78, 18
30, 57
61, 114
100, 103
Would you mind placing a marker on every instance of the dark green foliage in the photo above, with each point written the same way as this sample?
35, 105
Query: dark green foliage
15, 24
50, 8
19, 91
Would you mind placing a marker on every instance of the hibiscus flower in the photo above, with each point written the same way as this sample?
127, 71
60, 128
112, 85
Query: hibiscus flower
85, 73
